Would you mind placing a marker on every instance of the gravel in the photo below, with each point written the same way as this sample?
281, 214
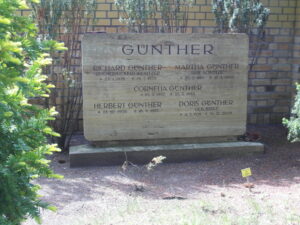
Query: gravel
99, 192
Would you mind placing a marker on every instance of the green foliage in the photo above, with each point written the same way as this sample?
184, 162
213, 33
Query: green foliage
142, 14
239, 16
293, 124
243, 16
64, 21
23, 127
57, 16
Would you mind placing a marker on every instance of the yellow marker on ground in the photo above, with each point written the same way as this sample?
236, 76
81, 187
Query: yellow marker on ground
246, 172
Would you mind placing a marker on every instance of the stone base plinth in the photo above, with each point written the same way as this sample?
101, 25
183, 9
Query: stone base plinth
87, 155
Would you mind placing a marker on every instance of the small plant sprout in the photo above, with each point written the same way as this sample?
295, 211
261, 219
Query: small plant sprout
155, 162
142, 170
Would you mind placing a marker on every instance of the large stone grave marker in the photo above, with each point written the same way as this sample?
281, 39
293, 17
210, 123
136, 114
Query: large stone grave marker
143, 89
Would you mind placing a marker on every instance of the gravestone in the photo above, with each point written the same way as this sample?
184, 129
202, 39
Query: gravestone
179, 95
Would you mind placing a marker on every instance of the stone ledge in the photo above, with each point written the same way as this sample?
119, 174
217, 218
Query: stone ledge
87, 155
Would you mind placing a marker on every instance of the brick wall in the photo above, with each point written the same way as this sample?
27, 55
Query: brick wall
296, 53
271, 83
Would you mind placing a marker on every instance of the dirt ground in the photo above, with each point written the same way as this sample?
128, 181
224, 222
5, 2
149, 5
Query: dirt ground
92, 196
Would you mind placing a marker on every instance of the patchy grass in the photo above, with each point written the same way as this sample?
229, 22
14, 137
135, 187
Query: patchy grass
249, 211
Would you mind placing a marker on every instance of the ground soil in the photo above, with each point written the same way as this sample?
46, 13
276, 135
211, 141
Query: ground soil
86, 192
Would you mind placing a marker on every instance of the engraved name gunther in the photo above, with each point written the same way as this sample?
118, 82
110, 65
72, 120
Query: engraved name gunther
187, 49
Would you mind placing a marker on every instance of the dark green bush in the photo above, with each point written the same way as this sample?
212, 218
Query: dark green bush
240, 16
293, 124
23, 127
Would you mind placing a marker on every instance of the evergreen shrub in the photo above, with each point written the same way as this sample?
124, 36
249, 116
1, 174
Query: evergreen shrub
293, 123
23, 126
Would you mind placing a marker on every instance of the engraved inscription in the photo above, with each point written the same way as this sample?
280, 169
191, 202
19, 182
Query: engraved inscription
171, 86
168, 49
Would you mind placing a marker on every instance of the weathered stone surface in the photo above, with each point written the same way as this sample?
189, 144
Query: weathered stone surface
165, 141
86, 155
161, 86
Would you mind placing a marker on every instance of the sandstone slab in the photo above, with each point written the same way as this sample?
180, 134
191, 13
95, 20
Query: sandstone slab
87, 155
164, 86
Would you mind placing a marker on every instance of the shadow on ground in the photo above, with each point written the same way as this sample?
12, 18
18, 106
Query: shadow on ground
279, 168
